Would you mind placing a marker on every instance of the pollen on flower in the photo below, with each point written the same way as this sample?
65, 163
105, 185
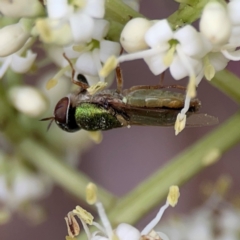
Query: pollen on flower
211, 157
72, 225
109, 65
51, 83
168, 58
96, 136
180, 123
173, 195
209, 70
91, 193
44, 30
83, 215
97, 88
191, 88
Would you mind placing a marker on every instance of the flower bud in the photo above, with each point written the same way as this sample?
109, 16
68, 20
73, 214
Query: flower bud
21, 8
12, 38
28, 100
215, 23
132, 36
125, 231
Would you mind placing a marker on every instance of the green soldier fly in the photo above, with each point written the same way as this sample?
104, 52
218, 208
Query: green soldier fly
139, 105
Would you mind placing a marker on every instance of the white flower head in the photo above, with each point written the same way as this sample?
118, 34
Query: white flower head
90, 63
181, 51
67, 24
123, 231
21, 185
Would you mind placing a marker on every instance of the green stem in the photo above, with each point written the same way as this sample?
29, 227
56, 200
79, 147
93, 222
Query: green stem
119, 12
70, 179
186, 14
228, 83
148, 194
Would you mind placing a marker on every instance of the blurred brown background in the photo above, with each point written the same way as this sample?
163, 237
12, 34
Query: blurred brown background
127, 156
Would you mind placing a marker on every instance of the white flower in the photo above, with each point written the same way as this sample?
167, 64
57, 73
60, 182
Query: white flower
123, 231
90, 63
21, 8
13, 37
17, 63
65, 25
21, 185
181, 51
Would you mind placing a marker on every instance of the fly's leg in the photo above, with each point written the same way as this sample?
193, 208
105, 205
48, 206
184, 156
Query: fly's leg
119, 79
81, 84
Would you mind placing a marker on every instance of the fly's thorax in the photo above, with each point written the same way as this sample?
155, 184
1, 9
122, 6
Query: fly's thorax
77, 97
158, 98
93, 117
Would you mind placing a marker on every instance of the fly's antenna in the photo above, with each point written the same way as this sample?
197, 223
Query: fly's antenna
50, 123
83, 85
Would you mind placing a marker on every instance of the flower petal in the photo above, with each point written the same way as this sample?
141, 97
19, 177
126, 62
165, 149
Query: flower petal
232, 55
156, 64
218, 60
190, 41
58, 9
85, 64
6, 62
82, 27
159, 34
101, 27
23, 64
109, 48
233, 10
179, 69
95, 8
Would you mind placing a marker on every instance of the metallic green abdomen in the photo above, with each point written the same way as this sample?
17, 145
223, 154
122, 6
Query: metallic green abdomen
92, 117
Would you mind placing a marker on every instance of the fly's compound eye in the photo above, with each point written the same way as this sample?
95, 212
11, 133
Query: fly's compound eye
64, 115
82, 78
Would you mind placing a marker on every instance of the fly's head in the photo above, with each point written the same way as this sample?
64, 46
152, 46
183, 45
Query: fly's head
64, 116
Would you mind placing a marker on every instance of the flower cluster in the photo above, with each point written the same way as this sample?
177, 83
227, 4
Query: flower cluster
123, 231
80, 30
185, 51
216, 219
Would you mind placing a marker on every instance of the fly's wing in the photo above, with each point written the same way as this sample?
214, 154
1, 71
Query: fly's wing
165, 117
